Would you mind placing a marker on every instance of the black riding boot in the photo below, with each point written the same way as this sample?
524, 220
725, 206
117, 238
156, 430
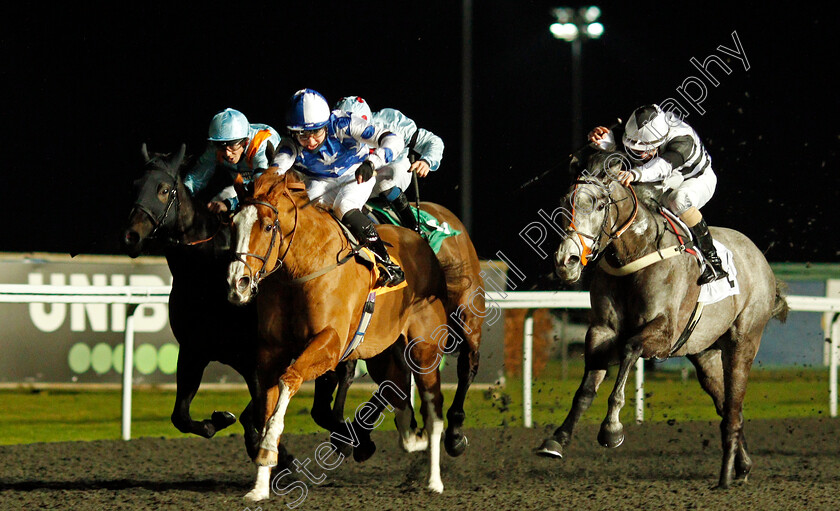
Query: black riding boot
390, 273
403, 210
713, 270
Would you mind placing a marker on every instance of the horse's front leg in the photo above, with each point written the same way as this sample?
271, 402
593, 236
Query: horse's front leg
188, 378
599, 343
612, 431
653, 337
328, 413
320, 355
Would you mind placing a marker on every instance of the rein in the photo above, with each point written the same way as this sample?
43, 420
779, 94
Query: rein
275, 232
163, 219
277, 238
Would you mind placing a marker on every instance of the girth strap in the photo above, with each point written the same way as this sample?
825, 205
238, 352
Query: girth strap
689, 327
358, 337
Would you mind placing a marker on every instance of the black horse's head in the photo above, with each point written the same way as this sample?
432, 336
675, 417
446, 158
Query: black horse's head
156, 203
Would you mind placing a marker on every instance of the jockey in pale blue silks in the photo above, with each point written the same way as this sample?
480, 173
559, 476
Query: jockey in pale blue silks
394, 178
338, 154
236, 146
667, 153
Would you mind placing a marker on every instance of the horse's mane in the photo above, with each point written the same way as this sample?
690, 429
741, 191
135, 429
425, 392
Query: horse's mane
598, 166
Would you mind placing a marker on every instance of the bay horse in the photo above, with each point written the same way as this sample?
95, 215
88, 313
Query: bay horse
642, 314
207, 327
311, 301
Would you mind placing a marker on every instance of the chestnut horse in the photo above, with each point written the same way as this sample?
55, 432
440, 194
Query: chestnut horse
468, 297
642, 313
312, 300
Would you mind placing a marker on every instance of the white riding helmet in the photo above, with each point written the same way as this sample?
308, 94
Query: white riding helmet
229, 124
646, 129
307, 110
356, 105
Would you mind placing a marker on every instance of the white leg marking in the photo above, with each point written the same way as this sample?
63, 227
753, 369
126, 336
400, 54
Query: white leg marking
410, 439
276, 424
262, 486
434, 425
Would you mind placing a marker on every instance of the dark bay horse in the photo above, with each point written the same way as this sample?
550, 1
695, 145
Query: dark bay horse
207, 326
313, 301
643, 313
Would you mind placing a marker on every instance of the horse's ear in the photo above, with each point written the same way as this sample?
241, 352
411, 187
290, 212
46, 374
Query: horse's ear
180, 157
145, 152
270, 151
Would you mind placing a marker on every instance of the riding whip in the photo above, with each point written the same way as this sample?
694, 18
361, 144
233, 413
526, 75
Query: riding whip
413, 156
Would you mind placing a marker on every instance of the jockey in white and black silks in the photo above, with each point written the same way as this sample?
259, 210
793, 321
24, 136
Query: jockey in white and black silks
394, 178
236, 146
664, 150
338, 154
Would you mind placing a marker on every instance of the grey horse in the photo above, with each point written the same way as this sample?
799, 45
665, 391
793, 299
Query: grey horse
643, 313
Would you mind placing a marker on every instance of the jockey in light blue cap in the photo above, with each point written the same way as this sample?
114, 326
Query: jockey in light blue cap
236, 146
423, 152
338, 152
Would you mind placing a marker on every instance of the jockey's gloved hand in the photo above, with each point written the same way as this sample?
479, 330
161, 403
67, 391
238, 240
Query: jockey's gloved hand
364, 171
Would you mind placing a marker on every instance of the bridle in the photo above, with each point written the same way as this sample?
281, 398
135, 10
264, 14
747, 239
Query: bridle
163, 218
592, 254
277, 238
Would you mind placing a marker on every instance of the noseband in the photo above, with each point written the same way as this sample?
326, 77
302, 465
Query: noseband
596, 240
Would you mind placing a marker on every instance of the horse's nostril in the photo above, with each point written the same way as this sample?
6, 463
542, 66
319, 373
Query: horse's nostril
131, 238
243, 284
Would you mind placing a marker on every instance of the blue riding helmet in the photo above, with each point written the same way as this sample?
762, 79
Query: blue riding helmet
307, 110
229, 124
356, 105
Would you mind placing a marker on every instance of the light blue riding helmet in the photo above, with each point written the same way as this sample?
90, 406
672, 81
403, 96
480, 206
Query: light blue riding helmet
356, 105
307, 110
229, 124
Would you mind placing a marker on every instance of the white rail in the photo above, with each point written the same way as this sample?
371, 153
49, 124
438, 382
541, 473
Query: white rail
133, 296
136, 295
580, 300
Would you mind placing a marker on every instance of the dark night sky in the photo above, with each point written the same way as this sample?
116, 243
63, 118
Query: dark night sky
85, 87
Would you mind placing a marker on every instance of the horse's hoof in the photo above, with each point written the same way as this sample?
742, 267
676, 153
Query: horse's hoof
455, 444
256, 495
221, 420
364, 451
343, 449
436, 486
550, 448
611, 436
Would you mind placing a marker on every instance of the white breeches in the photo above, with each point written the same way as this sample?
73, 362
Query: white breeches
693, 192
341, 194
394, 174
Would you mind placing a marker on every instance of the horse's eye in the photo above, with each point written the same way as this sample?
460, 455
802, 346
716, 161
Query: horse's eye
601, 206
269, 227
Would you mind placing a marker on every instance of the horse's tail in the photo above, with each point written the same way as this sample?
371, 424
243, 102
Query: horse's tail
780, 306
457, 277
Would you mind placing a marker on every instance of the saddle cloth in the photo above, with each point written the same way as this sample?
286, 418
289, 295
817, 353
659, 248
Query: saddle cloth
433, 231
719, 289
